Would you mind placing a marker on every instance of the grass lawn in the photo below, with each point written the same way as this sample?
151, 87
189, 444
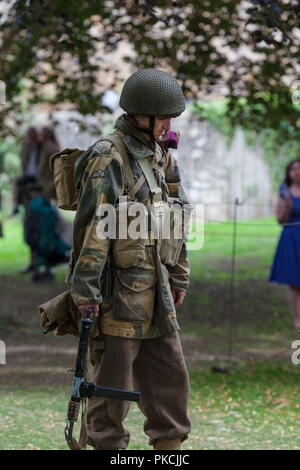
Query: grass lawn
257, 409
254, 406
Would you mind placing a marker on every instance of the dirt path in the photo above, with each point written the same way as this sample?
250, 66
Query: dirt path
262, 329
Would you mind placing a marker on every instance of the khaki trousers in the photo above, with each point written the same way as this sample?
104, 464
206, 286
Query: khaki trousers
157, 369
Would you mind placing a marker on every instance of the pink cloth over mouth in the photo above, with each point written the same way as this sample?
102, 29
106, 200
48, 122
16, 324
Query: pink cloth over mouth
171, 141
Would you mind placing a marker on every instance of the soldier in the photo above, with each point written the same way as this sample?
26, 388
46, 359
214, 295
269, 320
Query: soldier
140, 286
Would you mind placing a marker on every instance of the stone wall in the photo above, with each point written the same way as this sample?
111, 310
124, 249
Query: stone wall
212, 174
216, 175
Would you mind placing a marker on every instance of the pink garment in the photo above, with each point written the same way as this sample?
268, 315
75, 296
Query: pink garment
171, 141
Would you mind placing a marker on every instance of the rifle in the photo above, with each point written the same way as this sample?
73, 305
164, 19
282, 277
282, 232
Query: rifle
82, 389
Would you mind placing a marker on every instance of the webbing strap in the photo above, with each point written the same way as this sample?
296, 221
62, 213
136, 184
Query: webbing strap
159, 169
116, 140
142, 178
132, 192
82, 442
156, 193
149, 175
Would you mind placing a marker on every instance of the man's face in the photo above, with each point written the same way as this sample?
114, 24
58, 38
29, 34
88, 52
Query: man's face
162, 125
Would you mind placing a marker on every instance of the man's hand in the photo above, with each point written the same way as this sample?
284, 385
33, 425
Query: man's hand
83, 309
178, 296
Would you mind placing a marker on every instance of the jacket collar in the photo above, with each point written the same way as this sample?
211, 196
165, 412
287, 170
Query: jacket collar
136, 141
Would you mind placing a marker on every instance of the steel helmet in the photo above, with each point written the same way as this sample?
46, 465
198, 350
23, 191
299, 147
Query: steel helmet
152, 92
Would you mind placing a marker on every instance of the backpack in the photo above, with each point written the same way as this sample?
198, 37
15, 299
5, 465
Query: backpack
62, 164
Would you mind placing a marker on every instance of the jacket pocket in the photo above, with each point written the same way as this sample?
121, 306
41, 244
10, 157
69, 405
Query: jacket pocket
128, 253
134, 294
129, 247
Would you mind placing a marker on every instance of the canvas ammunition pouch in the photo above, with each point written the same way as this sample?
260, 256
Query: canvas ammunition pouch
174, 228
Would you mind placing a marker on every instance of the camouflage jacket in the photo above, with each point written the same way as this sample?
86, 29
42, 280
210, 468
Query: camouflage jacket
134, 302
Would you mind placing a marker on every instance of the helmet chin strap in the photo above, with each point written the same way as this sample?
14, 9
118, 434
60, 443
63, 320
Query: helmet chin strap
150, 129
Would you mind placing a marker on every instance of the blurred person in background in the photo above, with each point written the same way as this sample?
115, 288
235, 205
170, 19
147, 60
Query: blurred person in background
286, 264
26, 187
49, 146
35, 189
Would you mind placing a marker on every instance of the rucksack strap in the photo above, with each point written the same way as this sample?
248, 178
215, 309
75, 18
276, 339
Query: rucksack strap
116, 140
156, 191
132, 192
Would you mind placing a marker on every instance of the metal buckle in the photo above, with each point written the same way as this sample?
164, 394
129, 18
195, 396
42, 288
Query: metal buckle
157, 197
157, 203
156, 191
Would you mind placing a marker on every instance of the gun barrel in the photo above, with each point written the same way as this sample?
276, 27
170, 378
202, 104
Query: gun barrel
117, 393
89, 389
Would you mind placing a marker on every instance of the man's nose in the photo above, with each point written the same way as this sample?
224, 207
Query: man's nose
167, 124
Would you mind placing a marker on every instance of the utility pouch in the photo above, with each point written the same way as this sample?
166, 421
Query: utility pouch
175, 222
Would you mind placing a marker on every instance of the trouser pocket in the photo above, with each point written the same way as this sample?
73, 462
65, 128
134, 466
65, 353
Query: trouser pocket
96, 349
